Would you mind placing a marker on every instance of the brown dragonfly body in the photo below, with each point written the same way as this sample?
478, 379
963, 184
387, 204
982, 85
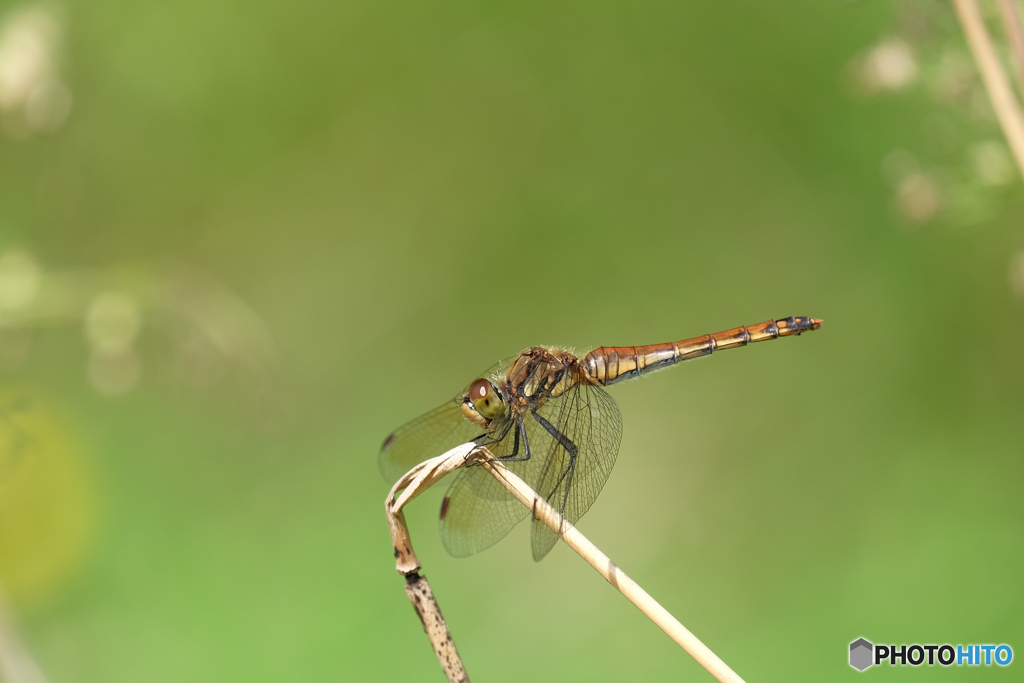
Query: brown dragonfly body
546, 415
608, 365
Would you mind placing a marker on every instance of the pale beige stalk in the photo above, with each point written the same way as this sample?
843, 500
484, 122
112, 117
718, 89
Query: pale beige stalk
1015, 35
1000, 93
417, 588
609, 570
424, 475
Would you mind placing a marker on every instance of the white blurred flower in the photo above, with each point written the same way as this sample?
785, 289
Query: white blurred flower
19, 280
218, 335
918, 198
992, 162
112, 321
32, 96
918, 195
889, 65
112, 324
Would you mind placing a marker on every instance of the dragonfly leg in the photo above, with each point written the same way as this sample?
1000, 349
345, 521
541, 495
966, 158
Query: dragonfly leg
561, 438
496, 439
521, 431
570, 470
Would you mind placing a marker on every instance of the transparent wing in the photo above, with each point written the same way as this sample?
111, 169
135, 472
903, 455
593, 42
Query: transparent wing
427, 436
478, 511
432, 434
588, 419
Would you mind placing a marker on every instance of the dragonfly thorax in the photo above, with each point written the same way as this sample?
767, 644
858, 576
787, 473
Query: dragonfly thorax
539, 374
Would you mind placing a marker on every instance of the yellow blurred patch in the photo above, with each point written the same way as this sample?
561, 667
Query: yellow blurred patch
47, 509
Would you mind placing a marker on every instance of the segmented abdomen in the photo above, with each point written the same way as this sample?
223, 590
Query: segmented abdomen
610, 364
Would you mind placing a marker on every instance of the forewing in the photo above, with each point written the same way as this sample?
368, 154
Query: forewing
427, 436
589, 419
478, 511
431, 434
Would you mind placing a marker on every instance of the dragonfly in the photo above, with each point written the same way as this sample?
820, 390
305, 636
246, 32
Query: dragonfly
546, 415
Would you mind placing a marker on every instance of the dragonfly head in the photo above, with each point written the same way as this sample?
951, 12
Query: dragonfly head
482, 402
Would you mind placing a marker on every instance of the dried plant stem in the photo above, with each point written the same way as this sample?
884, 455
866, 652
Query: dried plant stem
417, 589
1015, 35
999, 91
611, 572
427, 473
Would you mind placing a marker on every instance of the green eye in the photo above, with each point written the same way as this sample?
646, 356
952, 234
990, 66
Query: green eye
485, 399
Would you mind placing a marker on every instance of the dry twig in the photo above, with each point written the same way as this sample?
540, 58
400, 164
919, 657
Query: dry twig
425, 474
416, 481
999, 91
1015, 35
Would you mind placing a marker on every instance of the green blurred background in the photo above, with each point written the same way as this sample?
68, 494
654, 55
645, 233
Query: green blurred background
243, 242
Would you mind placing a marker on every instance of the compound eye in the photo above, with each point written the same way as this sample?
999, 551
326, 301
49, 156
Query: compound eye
485, 399
479, 389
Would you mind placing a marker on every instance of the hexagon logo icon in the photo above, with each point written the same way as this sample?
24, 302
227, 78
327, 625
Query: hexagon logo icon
860, 654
